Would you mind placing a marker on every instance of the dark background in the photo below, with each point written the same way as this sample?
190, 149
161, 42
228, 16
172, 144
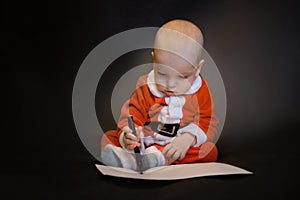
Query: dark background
255, 45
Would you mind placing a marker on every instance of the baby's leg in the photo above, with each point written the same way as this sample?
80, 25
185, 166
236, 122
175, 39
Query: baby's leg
112, 154
153, 158
207, 152
110, 137
118, 157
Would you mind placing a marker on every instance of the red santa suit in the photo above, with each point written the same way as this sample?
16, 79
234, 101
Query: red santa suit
166, 117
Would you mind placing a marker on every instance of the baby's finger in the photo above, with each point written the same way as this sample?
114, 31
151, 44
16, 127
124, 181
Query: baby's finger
129, 141
182, 156
130, 146
166, 149
130, 136
176, 155
169, 150
126, 129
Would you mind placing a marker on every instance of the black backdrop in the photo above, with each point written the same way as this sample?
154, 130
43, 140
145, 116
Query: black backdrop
255, 45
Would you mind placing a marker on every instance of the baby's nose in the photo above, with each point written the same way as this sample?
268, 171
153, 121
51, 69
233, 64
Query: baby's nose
171, 83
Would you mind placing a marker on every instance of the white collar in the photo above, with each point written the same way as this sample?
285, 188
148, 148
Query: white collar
152, 86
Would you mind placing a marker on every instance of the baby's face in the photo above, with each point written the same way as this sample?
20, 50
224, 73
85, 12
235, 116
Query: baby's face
173, 75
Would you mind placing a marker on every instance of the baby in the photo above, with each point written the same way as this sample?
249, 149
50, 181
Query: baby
172, 107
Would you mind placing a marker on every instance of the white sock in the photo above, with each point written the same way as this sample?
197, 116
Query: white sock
117, 157
158, 154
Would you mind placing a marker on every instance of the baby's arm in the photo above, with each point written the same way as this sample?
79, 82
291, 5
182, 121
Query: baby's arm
202, 129
177, 149
136, 107
206, 119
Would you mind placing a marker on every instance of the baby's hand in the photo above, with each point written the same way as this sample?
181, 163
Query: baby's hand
130, 140
177, 149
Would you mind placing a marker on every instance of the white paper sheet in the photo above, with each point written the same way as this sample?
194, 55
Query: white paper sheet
174, 172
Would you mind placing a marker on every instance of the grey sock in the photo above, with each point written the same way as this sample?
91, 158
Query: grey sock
149, 161
110, 158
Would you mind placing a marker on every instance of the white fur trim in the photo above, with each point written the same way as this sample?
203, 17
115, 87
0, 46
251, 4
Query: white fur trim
157, 139
172, 113
161, 139
127, 159
148, 140
196, 85
196, 131
121, 139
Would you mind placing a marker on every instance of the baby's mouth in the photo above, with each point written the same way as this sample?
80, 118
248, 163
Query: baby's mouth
169, 93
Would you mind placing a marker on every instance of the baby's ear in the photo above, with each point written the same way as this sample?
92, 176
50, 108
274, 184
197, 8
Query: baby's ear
199, 67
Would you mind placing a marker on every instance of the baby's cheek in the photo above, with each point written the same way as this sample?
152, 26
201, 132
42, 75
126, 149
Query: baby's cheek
184, 87
159, 86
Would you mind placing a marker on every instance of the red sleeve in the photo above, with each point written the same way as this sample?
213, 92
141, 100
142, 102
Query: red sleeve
206, 118
137, 106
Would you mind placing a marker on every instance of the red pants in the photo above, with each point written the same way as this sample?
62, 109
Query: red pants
207, 152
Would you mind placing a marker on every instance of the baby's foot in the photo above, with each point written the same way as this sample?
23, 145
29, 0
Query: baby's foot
117, 157
149, 161
109, 157
152, 158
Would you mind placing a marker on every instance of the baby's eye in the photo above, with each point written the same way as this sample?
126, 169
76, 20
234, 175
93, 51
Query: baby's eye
161, 74
182, 77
